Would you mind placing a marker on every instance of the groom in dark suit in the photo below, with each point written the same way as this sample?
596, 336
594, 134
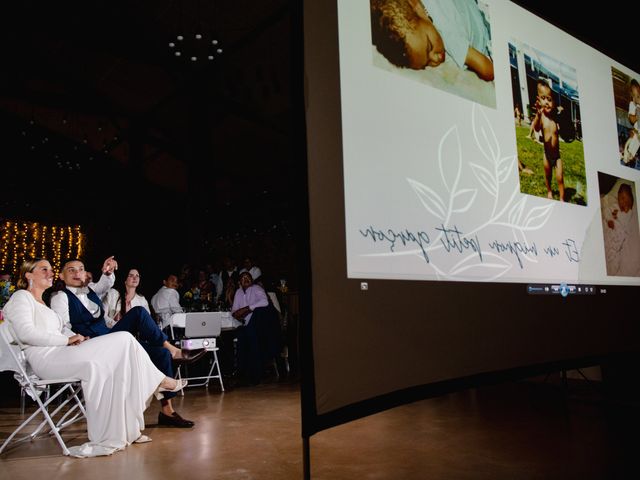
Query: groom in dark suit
81, 309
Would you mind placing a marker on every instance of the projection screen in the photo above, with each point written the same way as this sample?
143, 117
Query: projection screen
473, 177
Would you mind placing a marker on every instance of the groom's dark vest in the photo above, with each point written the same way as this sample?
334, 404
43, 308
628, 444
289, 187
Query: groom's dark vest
82, 321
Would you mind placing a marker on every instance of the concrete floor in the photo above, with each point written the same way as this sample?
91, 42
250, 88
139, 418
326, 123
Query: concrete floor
524, 430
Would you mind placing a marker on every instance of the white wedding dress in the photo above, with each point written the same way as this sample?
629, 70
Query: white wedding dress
118, 378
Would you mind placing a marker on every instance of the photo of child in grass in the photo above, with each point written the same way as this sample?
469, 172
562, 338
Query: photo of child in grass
626, 94
550, 150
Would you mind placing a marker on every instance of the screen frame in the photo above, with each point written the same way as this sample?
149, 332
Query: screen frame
329, 282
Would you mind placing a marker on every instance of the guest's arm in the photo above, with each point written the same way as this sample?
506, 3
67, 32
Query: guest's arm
104, 284
60, 305
258, 297
144, 304
173, 299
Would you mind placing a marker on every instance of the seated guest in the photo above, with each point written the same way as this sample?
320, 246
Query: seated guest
207, 289
255, 338
81, 309
227, 282
166, 301
119, 301
185, 278
248, 266
117, 376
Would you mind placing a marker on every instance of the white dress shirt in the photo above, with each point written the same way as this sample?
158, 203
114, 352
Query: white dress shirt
253, 297
60, 302
165, 303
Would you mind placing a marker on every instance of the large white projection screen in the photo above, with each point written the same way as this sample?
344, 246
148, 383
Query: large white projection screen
438, 192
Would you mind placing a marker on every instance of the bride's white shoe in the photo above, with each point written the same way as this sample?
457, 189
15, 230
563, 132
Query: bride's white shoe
180, 384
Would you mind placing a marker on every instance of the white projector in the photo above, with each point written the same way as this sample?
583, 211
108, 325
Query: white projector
197, 343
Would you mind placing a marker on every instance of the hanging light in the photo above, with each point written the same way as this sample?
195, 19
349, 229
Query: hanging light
195, 47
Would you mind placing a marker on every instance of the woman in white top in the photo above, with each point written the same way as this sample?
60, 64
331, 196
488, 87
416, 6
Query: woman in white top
118, 378
114, 307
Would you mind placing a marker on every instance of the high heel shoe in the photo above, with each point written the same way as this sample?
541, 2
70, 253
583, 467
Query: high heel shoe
180, 384
190, 356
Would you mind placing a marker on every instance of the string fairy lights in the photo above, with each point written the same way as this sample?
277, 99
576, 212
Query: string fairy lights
22, 239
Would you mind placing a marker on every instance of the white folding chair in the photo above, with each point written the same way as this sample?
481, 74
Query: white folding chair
69, 409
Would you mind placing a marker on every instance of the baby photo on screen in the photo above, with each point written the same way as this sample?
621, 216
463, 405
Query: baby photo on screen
620, 227
626, 93
442, 43
547, 126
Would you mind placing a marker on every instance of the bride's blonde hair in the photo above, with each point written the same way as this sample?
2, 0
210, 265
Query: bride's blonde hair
29, 265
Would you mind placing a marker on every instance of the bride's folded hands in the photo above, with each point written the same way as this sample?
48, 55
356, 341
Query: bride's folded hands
76, 339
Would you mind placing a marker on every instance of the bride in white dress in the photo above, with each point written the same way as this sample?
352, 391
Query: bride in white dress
118, 378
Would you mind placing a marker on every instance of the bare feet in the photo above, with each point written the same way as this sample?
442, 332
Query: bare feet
550, 195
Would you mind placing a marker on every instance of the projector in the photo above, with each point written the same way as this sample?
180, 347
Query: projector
197, 343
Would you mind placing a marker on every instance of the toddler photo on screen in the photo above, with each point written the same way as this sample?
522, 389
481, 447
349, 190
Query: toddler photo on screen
548, 134
626, 94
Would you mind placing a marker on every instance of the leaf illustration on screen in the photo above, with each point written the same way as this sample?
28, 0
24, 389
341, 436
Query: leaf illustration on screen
484, 135
429, 199
463, 200
515, 212
493, 266
506, 209
450, 158
505, 167
486, 178
537, 217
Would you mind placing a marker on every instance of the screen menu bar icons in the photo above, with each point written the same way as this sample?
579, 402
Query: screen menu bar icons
562, 289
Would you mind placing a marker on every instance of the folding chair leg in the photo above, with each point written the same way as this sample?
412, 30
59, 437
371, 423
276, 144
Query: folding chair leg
178, 376
48, 420
217, 365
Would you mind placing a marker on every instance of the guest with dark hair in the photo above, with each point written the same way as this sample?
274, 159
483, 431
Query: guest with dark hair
118, 301
248, 266
166, 301
227, 281
258, 338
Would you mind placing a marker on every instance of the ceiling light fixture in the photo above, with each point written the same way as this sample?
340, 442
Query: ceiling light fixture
195, 47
